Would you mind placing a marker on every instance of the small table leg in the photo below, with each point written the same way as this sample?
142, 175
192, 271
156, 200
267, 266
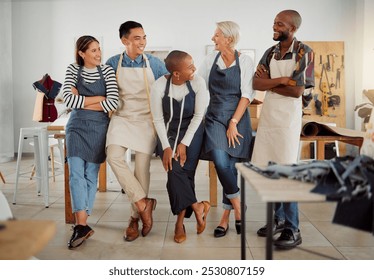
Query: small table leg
242, 213
269, 234
69, 216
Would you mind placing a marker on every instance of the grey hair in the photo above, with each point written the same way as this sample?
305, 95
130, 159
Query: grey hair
230, 29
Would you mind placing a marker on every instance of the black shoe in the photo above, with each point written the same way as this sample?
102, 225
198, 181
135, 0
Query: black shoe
220, 231
80, 234
278, 227
238, 226
288, 239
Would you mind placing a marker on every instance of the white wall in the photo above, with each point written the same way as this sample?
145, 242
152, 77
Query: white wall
6, 100
43, 33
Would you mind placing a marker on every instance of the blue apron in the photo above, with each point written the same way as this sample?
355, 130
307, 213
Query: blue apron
225, 94
86, 129
181, 180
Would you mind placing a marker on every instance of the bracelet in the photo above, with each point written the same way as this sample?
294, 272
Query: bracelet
235, 121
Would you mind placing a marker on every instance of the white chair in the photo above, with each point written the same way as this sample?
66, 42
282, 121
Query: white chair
40, 139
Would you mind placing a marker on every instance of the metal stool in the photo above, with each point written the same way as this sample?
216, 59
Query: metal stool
52, 143
40, 137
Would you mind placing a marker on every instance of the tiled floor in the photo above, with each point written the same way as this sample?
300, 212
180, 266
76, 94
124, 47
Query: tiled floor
111, 213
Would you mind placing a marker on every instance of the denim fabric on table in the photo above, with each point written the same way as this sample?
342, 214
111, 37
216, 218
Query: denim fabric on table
348, 180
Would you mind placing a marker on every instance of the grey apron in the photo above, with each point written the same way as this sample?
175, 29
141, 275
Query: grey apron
225, 94
86, 129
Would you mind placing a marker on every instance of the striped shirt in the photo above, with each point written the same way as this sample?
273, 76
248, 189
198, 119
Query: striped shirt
90, 75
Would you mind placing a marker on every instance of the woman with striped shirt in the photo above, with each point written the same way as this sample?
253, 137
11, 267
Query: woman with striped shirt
90, 89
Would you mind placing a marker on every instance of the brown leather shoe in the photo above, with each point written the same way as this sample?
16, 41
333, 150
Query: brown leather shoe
179, 238
201, 228
146, 215
132, 231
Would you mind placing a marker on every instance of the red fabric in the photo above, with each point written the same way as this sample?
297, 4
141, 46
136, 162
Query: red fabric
49, 110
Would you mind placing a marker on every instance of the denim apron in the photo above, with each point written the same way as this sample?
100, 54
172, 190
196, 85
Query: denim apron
86, 129
181, 180
225, 94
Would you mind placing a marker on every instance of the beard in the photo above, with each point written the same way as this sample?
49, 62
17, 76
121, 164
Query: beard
282, 37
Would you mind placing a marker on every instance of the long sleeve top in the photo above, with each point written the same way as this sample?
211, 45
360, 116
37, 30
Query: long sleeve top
157, 66
90, 75
178, 92
246, 72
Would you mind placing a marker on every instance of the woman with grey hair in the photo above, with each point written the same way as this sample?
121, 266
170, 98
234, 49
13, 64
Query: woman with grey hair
228, 133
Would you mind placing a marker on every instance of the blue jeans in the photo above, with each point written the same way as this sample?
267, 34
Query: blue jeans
83, 183
288, 212
227, 174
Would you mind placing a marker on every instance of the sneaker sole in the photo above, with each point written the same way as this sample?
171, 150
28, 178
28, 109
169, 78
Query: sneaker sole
80, 241
287, 247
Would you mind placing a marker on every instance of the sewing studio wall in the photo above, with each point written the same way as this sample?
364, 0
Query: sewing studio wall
328, 103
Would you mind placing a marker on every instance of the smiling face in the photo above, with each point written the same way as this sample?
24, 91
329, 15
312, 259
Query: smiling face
91, 56
135, 42
220, 41
186, 70
283, 27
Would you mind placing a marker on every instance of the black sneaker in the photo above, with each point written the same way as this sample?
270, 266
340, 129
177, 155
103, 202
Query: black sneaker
288, 239
80, 234
278, 227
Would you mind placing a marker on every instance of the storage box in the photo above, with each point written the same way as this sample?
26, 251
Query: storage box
256, 104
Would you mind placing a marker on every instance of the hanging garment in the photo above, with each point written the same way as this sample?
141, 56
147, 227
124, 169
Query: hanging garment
50, 89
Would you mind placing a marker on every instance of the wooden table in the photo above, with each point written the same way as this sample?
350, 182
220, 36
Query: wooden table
58, 128
320, 148
321, 140
271, 191
22, 239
